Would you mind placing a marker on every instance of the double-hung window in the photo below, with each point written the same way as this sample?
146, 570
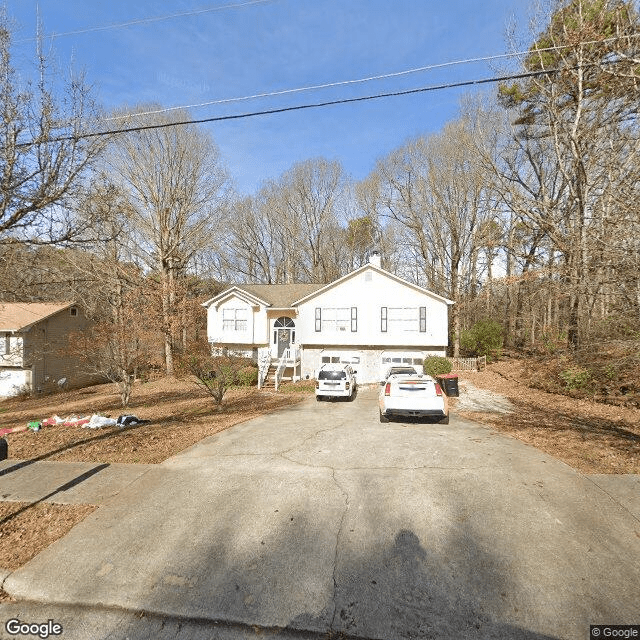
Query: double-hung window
234, 319
403, 319
335, 319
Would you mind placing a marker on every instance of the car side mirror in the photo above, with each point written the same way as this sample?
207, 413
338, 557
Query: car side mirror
382, 383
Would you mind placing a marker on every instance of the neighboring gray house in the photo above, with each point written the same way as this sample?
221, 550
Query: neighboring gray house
34, 340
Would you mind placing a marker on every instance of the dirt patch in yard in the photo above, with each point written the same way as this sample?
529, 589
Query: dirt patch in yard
589, 436
19, 521
179, 415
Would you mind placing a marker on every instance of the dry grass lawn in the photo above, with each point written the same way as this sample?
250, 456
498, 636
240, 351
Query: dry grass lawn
180, 415
589, 436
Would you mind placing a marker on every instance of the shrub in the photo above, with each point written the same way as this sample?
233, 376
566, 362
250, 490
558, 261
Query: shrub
615, 327
436, 366
483, 339
467, 343
575, 377
247, 376
213, 374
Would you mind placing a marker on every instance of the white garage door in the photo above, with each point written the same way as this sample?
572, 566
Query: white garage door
13, 381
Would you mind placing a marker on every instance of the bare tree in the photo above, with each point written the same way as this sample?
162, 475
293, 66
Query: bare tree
290, 230
175, 183
575, 137
44, 152
308, 198
432, 187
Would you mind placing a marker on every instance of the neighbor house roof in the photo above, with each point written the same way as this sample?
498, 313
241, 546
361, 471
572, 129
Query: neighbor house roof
276, 296
18, 316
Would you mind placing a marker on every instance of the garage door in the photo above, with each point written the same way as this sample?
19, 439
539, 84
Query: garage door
13, 381
399, 358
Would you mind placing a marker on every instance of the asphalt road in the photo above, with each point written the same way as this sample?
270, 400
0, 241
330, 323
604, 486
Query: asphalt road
317, 521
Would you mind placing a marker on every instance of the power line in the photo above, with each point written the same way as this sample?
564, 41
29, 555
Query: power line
315, 105
130, 23
384, 76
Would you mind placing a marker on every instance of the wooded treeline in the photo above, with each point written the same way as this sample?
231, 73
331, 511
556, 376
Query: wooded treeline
523, 210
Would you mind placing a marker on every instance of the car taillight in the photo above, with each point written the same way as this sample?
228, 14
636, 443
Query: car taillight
387, 389
317, 385
438, 389
346, 386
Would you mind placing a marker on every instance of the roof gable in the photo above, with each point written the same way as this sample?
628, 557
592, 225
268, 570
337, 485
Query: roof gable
379, 270
18, 316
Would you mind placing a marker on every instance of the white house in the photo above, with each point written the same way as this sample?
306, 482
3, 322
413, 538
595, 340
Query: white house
369, 318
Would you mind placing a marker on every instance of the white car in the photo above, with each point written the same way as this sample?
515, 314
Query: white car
406, 393
335, 381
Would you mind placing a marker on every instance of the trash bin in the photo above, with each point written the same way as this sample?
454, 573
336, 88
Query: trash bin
449, 382
4, 449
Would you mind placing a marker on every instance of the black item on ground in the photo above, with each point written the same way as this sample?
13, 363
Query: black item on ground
4, 449
449, 383
126, 421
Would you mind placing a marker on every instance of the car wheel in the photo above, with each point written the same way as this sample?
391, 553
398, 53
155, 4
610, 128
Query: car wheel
318, 398
444, 420
383, 418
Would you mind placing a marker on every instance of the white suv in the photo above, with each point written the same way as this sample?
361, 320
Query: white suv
335, 381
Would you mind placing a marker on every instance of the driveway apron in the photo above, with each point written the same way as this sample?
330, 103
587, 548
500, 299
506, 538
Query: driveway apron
318, 518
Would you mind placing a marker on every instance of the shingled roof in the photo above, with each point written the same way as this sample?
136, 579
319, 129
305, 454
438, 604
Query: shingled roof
16, 316
279, 296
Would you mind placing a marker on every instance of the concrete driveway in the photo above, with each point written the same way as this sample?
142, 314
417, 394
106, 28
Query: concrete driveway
317, 521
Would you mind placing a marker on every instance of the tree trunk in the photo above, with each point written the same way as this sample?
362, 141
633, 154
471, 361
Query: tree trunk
455, 311
167, 310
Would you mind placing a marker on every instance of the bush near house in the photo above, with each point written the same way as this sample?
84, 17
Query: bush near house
216, 374
247, 376
436, 366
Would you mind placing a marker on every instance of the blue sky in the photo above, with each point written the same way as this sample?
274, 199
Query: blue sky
275, 45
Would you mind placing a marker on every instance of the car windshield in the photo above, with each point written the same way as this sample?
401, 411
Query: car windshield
402, 371
332, 375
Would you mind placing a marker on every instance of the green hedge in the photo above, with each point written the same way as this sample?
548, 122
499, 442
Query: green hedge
436, 366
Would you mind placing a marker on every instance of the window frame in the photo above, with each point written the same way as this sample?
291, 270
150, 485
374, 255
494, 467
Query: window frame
335, 319
235, 323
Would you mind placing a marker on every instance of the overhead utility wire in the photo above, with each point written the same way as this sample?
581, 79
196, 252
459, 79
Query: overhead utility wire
253, 114
342, 83
131, 23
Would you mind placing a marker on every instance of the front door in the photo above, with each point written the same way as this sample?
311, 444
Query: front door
284, 340
283, 329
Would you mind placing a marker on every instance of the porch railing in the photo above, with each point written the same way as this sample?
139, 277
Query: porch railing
291, 354
282, 365
264, 362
